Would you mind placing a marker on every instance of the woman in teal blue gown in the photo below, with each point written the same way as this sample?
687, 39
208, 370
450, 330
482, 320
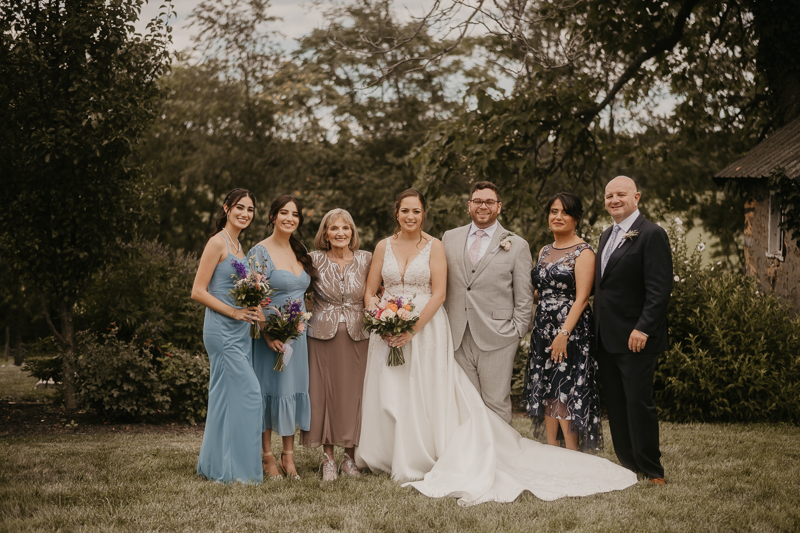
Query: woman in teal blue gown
231, 440
287, 264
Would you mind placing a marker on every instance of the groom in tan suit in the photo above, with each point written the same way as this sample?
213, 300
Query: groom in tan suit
489, 297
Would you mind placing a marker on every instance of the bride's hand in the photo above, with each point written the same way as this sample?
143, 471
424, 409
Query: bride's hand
400, 340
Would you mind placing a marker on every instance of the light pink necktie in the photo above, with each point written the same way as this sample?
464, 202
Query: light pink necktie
475, 249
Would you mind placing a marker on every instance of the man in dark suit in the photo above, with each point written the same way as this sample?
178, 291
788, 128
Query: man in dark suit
632, 285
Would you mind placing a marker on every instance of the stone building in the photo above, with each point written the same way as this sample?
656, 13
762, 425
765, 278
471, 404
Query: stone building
770, 254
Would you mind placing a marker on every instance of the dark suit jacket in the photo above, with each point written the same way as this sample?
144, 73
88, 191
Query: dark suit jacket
634, 293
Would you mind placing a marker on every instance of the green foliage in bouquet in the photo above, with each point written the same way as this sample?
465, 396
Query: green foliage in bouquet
117, 378
735, 351
147, 296
185, 377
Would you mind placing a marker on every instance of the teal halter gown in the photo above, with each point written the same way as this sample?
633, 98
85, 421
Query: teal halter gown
284, 394
231, 449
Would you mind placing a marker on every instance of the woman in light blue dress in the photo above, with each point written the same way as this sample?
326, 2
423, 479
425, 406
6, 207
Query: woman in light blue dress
233, 423
287, 264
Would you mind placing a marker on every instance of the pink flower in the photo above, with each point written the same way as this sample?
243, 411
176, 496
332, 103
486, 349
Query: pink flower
387, 314
403, 313
383, 305
301, 327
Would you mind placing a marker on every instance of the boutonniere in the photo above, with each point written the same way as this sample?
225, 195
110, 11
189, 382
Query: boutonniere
505, 241
631, 235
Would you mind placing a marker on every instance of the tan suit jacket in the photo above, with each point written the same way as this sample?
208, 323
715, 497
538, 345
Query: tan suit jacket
495, 297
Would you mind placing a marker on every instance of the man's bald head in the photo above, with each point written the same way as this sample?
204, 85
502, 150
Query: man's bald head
622, 198
622, 181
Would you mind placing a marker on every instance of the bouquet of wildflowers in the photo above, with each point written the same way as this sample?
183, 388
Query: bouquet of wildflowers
286, 324
250, 288
393, 316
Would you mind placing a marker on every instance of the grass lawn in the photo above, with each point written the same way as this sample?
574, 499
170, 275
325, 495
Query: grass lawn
720, 478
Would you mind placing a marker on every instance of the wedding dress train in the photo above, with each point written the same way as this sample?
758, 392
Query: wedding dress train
426, 424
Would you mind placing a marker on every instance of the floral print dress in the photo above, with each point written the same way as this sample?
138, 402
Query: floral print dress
566, 390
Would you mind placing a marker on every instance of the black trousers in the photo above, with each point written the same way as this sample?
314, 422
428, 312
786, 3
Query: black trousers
628, 390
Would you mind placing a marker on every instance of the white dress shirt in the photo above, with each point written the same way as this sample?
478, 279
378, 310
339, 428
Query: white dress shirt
484, 241
625, 226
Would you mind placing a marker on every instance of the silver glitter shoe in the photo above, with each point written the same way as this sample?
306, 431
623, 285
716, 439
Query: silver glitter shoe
328, 468
349, 467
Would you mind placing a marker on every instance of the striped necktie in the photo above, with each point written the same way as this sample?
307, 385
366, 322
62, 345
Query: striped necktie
609, 249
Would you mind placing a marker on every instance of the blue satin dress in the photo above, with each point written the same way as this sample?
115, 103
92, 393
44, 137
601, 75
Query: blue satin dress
231, 449
284, 394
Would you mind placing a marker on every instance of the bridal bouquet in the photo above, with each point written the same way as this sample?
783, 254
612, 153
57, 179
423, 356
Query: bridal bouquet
393, 316
250, 288
286, 324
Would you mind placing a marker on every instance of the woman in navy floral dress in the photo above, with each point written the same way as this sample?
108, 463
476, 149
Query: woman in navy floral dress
560, 385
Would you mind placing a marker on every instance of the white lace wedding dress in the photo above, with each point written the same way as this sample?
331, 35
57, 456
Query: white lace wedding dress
426, 424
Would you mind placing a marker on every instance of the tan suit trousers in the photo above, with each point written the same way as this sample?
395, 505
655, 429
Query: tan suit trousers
490, 372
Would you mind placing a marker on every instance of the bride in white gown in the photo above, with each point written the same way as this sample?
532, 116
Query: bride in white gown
425, 423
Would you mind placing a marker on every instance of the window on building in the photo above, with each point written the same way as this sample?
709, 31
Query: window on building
774, 231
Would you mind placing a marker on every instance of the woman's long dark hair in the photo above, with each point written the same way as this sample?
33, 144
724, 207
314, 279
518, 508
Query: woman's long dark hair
409, 193
299, 249
222, 217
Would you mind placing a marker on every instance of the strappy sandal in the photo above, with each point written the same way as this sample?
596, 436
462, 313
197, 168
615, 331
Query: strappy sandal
291, 475
328, 468
265, 466
348, 466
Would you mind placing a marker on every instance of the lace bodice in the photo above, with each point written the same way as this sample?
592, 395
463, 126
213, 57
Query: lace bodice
417, 278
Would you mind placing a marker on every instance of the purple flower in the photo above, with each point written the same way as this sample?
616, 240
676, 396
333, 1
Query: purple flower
241, 271
294, 308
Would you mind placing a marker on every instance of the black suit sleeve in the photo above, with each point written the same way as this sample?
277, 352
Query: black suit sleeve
657, 281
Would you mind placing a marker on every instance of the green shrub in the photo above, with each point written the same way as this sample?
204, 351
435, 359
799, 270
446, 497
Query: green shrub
147, 295
130, 380
185, 378
735, 351
40, 362
118, 378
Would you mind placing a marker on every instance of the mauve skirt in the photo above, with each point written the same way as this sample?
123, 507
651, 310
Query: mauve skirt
336, 382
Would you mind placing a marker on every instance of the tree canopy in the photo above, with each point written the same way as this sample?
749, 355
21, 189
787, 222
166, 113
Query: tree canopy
77, 89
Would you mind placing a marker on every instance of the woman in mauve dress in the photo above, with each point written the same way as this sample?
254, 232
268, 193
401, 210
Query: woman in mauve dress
337, 343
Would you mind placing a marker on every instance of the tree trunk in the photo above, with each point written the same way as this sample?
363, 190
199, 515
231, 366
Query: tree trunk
19, 353
8, 341
68, 360
66, 340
